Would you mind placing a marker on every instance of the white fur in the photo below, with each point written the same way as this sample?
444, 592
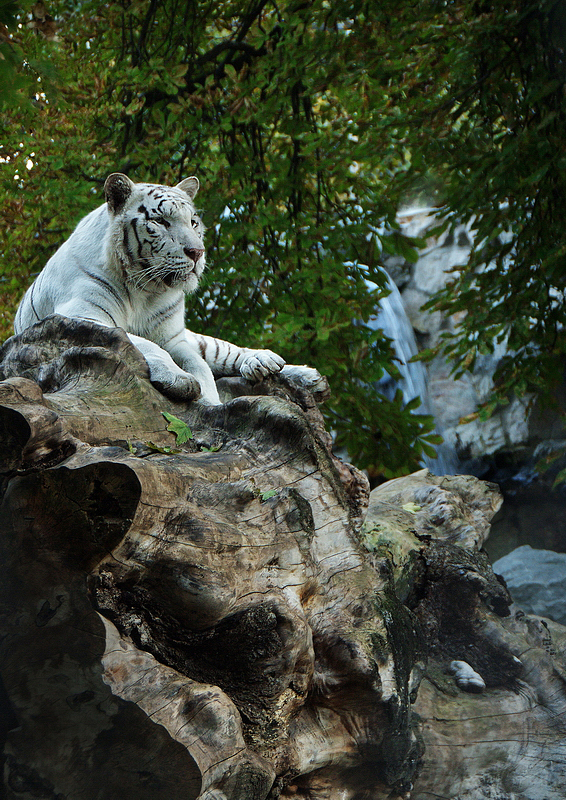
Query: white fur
128, 264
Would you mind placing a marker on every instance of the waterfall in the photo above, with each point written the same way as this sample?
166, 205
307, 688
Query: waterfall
392, 319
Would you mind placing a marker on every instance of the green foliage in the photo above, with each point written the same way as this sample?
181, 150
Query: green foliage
277, 110
306, 123
486, 83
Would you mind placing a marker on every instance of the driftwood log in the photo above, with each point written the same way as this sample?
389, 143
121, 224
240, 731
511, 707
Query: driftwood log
236, 617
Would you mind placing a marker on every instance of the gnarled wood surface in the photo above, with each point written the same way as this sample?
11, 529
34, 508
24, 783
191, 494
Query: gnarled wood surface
227, 619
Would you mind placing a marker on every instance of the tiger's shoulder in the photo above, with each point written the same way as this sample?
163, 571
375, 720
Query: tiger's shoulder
132, 254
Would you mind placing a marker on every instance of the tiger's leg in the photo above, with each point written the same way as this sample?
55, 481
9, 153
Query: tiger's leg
226, 359
183, 349
307, 377
165, 374
229, 360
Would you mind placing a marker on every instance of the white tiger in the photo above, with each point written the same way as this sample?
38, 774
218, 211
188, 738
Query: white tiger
128, 264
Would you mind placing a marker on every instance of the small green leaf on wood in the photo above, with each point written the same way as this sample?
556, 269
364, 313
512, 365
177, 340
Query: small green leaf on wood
266, 495
413, 508
213, 449
178, 427
166, 450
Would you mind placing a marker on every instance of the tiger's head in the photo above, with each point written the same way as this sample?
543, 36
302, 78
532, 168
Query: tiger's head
156, 233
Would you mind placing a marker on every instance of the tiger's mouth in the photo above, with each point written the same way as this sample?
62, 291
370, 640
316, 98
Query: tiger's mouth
178, 277
171, 279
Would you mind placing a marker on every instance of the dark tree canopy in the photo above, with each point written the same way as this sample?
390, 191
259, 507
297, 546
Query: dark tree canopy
485, 82
307, 124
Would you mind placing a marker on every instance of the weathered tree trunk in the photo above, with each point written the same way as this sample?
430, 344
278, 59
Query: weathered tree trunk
225, 618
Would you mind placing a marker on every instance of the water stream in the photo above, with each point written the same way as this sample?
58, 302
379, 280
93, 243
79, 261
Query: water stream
392, 319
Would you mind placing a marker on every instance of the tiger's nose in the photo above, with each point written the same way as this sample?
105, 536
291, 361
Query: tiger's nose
193, 254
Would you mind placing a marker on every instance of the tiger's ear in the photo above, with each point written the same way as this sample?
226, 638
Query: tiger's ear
117, 189
190, 186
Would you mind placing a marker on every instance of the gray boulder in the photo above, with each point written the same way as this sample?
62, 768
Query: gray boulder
536, 580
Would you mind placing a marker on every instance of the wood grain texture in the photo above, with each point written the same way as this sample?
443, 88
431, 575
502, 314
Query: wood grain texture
226, 619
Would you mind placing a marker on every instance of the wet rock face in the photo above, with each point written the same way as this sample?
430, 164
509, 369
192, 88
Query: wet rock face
513, 428
536, 580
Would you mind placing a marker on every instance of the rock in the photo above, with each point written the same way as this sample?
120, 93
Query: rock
532, 512
228, 618
457, 508
193, 620
432, 265
506, 430
466, 678
478, 745
422, 321
536, 580
513, 431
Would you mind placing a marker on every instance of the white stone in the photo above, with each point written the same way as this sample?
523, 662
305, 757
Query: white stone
505, 430
466, 677
431, 269
423, 321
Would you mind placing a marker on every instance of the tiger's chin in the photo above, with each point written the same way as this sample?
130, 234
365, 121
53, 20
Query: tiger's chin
174, 280
186, 280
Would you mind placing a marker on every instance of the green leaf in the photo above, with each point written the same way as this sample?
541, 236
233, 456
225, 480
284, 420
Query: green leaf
269, 493
179, 71
181, 430
413, 404
428, 450
434, 438
165, 449
560, 478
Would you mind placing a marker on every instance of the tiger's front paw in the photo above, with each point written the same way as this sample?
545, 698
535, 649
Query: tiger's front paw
177, 387
260, 364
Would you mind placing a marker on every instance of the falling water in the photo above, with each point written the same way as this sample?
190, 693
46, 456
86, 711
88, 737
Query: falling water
393, 321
